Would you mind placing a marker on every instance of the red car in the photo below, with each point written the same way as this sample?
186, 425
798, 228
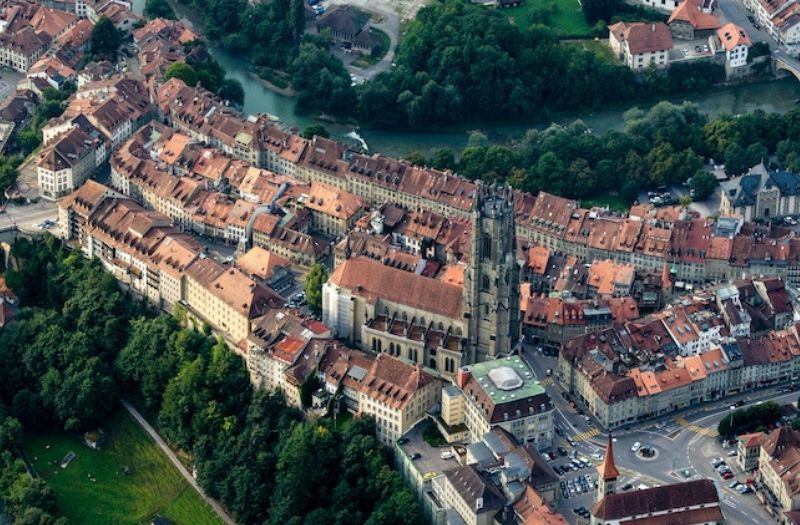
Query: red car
727, 475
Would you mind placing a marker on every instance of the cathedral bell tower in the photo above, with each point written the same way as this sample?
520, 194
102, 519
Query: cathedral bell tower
491, 282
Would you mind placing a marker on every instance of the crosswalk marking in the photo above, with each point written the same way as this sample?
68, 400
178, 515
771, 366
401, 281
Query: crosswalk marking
585, 436
703, 431
547, 381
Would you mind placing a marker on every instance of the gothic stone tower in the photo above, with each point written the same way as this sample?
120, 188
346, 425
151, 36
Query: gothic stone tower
491, 282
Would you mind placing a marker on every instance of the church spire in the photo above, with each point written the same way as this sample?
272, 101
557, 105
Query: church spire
607, 472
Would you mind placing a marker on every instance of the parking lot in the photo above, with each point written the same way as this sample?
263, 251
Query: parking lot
427, 459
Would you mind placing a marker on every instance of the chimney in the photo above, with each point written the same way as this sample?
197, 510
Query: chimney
463, 376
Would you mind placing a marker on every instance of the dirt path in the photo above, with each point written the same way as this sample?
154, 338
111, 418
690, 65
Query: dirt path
172, 457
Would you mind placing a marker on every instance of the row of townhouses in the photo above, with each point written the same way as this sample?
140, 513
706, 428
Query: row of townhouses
741, 336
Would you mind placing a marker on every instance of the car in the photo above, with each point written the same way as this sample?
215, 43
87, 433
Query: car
743, 489
318, 9
415, 455
727, 475
636, 446
565, 395
548, 372
577, 510
739, 403
571, 442
756, 25
697, 49
627, 486
717, 461
751, 19
705, 48
447, 454
733, 484
561, 451
402, 441
732, 453
597, 455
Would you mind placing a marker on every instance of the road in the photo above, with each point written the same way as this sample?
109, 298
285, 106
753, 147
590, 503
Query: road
389, 24
27, 216
171, 455
682, 441
734, 11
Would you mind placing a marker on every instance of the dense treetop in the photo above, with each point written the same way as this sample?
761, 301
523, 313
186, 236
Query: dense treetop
80, 343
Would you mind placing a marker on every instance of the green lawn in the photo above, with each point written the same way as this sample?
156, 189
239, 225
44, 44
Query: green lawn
154, 486
565, 16
598, 47
615, 202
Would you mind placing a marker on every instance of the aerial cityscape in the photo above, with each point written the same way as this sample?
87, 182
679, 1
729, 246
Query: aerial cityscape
400, 262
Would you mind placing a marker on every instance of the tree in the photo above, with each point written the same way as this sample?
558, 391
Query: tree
703, 183
443, 158
159, 9
105, 39
231, 89
182, 71
597, 10
313, 287
417, 158
316, 129
736, 160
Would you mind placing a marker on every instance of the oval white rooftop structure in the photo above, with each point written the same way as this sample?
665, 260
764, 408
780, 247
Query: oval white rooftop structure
505, 378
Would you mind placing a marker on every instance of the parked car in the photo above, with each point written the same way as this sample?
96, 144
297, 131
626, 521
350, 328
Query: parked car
636, 446
447, 454
743, 489
733, 484
415, 455
727, 475
717, 461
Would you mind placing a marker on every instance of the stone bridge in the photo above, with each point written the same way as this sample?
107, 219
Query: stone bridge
792, 65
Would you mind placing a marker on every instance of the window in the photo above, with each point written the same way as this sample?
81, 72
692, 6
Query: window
485, 282
487, 247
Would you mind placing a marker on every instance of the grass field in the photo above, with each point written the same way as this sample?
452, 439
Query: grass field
599, 48
154, 486
614, 202
566, 18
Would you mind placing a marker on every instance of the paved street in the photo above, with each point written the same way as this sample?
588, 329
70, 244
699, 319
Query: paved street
26, 217
734, 11
684, 443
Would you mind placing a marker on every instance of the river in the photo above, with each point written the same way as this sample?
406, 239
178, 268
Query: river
777, 96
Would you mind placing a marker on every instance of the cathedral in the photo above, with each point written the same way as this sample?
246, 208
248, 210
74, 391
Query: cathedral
440, 324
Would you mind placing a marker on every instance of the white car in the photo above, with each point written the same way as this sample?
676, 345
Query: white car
447, 454
636, 446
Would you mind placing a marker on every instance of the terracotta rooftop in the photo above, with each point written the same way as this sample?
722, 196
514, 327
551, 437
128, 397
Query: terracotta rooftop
373, 280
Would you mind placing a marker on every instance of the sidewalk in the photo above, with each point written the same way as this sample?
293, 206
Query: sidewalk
171, 455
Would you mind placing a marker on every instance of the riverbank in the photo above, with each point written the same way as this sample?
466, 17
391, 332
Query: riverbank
286, 92
774, 96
